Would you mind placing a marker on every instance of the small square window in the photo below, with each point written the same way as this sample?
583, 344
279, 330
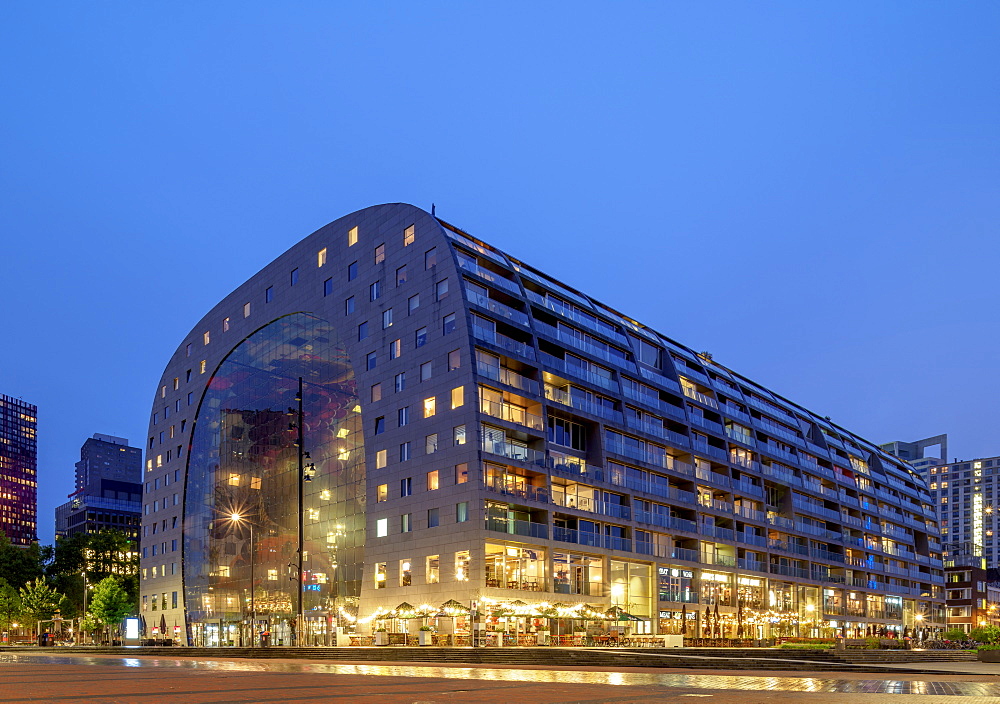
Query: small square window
430, 406
401, 275
448, 323
328, 287
381, 458
380, 425
430, 258
375, 290
433, 517
352, 271
421, 337
268, 294
412, 303
387, 318
441, 289
425, 371
431, 446
246, 310
395, 349
457, 397
380, 254
352, 236
409, 236
376, 392
363, 330
294, 277
461, 473
321, 257
454, 360
382, 493
371, 361
349, 305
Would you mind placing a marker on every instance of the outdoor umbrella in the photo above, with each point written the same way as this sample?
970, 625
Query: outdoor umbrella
708, 622
142, 625
452, 607
718, 624
405, 610
617, 613
684, 619
739, 619
163, 626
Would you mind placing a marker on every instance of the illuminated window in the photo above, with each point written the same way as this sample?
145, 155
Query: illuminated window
321, 257
459, 434
430, 406
381, 457
225, 325
462, 564
433, 571
432, 480
409, 235
207, 337
352, 236
387, 318
461, 473
457, 397
381, 527
380, 575
203, 367
380, 254
382, 493
405, 573
272, 575
431, 446
376, 392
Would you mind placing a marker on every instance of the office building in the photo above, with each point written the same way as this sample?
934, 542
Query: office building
394, 421
108, 490
18, 470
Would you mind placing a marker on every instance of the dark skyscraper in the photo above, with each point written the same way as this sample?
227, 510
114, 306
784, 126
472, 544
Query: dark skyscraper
108, 489
18, 470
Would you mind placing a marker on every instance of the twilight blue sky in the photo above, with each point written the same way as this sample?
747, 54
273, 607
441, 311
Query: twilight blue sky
807, 190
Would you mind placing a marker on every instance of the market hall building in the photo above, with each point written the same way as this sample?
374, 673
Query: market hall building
394, 422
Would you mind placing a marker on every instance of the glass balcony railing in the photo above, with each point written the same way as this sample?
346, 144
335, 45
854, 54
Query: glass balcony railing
699, 397
522, 349
510, 451
492, 277
509, 377
497, 308
511, 414
578, 372
522, 528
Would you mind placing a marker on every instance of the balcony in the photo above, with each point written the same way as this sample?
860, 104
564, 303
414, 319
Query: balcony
557, 395
710, 450
510, 451
747, 488
717, 532
734, 412
699, 397
754, 565
662, 490
578, 372
751, 514
511, 414
642, 455
497, 308
579, 537
507, 344
509, 377
530, 493
789, 571
703, 422
750, 539
656, 404
492, 277
585, 345
577, 317
522, 528
737, 436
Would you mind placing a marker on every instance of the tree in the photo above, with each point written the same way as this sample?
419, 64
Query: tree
19, 565
110, 602
10, 604
985, 634
955, 634
39, 601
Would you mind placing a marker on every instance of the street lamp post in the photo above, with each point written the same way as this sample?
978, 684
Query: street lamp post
237, 518
305, 474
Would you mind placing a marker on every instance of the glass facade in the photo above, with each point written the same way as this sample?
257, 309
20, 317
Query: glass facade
244, 461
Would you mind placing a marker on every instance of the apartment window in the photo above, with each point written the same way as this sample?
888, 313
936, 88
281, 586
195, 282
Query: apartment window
380, 254
433, 571
293, 277
409, 235
430, 258
246, 310
457, 397
403, 415
421, 337
441, 289
352, 271
401, 275
380, 567
404, 451
328, 287
382, 493
433, 517
371, 361
380, 425
375, 290
406, 487
430, 406
321, 257
399, 382
412, 303
187, 348
190, 398
381, 458
362, 330
376, 392
405, 572
207, 336
349, 306
432, 480
225, 325
387, 318
352, 236
268, 294
425, 371
454, 360
458, 433
203, 366
462, 473
406, 523
462, 512
431, 444
448, 324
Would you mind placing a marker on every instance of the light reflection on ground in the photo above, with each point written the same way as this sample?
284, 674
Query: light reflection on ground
636, 679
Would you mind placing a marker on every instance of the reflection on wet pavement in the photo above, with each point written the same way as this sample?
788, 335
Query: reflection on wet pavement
637, 679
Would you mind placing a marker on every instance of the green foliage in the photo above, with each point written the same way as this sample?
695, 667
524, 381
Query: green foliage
104, 554
10, 604
110, 603
985, 634
807, 646
955, 634
990, 646
873, 643
39, 601
19, 565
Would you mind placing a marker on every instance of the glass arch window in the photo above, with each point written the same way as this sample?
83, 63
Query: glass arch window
244, 461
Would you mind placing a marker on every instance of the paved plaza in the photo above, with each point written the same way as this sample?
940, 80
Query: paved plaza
101, 679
